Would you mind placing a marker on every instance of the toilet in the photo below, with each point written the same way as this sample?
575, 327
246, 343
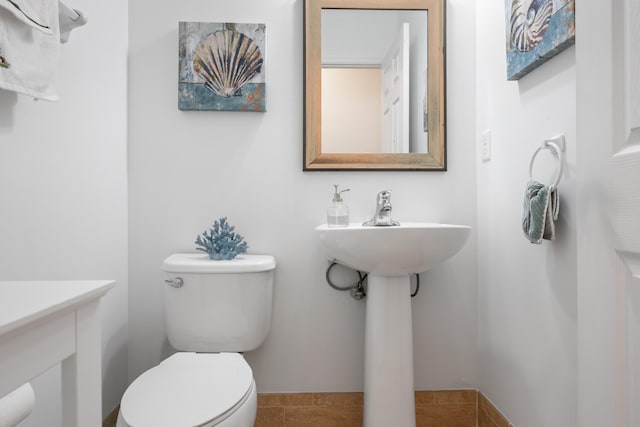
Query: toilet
214, 311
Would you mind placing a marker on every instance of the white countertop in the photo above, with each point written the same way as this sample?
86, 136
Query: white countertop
24, 302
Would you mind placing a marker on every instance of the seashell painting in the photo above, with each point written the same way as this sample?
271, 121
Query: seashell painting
226, 60
537, 30
221, 66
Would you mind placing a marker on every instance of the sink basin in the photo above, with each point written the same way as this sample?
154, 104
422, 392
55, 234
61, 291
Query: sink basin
412, 247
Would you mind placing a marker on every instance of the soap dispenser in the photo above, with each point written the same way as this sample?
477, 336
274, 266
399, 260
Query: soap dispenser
338, 212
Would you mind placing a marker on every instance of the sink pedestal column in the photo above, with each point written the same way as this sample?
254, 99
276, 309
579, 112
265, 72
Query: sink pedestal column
388, 365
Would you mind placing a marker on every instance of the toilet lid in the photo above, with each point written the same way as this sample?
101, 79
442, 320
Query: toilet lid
187, 389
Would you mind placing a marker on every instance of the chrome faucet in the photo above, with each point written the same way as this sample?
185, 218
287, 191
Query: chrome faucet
382, 217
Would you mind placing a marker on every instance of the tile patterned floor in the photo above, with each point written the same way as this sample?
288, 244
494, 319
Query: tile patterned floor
441, 408
433, 409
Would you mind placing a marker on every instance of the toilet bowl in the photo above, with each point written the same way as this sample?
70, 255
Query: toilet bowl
217, 310
192, 389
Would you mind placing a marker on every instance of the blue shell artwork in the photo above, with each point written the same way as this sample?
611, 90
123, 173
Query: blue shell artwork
221, 66
537, 30
221, 242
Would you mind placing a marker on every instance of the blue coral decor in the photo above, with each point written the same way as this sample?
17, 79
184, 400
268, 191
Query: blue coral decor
221, 242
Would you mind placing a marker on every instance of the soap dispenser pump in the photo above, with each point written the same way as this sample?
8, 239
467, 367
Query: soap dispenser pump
338, 212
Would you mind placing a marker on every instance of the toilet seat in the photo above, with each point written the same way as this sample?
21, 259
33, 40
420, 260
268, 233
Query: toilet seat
188, 389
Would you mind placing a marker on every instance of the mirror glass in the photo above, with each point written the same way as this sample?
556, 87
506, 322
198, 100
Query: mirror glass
374, 85
374, 81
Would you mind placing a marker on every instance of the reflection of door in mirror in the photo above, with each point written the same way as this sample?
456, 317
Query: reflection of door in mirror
373, 88
395, 94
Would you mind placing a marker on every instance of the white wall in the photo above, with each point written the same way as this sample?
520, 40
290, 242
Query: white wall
527, 293
63, 188
188, 168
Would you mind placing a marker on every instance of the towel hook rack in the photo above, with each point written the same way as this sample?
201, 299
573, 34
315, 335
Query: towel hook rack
557, 146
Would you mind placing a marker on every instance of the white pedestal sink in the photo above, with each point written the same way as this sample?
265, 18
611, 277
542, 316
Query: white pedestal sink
390, 255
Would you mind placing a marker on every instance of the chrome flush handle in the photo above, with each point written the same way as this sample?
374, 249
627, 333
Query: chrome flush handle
175, 283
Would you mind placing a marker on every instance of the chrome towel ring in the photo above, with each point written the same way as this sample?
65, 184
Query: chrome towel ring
556, 146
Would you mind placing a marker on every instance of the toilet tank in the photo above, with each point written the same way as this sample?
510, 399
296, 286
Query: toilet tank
222, 306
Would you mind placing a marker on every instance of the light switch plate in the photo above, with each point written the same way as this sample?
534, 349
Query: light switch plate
485, 145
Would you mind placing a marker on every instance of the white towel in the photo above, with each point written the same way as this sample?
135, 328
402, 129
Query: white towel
29, 47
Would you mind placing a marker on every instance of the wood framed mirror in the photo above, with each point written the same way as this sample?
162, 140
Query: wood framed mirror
374, 85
